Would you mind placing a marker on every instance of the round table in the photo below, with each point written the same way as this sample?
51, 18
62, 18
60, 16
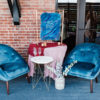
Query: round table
41, 60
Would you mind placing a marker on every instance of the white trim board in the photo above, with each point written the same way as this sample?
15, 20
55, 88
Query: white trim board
75, 1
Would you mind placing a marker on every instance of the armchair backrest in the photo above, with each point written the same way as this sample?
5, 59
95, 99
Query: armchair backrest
86, 52
9, 55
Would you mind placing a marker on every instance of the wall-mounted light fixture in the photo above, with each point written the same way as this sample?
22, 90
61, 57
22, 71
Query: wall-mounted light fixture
14, 7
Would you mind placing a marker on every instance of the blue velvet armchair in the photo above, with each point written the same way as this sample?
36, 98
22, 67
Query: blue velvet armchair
12, 65
88, 65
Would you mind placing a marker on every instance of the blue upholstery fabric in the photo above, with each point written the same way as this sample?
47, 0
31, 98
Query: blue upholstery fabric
50, 26
89, 55
86, 68
12, 64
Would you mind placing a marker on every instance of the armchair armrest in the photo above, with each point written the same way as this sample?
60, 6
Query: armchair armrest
96, 71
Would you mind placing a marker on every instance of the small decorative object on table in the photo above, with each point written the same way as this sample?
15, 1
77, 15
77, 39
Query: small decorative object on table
39, 51
34, 51
44, 44
59, 43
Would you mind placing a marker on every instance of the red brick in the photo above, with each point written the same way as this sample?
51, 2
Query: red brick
19, 37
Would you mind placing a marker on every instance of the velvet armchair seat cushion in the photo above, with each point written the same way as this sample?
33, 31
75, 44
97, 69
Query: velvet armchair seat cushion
12, 66
82, 69
10, 71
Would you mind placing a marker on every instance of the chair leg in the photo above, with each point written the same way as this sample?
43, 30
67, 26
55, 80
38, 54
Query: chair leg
91, 86
7, 86
96, 80
28, 78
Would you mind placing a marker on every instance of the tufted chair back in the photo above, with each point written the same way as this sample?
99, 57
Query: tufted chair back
9, 55
86, 52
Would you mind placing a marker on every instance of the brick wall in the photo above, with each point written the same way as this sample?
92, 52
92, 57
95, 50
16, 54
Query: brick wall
19, 37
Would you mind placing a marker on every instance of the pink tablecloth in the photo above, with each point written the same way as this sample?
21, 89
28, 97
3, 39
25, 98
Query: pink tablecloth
57, 53
31, 46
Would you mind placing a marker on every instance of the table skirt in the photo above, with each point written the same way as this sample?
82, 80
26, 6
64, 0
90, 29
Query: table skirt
57, 53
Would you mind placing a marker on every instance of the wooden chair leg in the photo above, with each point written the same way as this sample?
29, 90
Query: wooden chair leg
96, 80
7, 86
91, 86
28, 78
